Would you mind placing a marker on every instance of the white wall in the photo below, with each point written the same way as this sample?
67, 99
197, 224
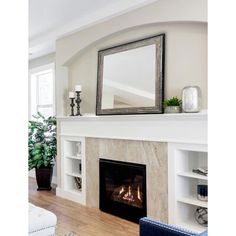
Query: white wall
41, 61
186, 50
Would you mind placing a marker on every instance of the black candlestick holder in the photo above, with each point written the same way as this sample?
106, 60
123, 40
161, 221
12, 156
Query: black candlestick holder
78, 101
72, 104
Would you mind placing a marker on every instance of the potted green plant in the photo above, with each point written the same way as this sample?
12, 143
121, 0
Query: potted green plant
172, 105
42, 149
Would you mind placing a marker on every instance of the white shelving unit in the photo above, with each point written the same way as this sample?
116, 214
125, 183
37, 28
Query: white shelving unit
192, 175
73, 167
192, 200
183, 202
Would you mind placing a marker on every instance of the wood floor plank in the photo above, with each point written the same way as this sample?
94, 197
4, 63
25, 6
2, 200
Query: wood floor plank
78, 219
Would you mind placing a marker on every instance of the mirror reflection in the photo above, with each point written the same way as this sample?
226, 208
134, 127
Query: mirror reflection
129, 78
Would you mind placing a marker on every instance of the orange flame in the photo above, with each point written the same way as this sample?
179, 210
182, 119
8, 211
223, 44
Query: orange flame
138, 194
122, 190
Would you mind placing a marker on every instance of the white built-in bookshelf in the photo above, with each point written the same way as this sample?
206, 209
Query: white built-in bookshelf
182, 187
73, 178
185, 133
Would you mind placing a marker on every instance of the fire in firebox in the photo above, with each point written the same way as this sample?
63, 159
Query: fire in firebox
128, 195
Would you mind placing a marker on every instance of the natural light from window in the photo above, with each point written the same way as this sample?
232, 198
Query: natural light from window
42, 91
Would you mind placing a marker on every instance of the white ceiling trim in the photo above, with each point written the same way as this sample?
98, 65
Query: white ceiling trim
45, 43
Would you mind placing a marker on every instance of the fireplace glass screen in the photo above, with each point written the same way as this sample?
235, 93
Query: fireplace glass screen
123, 189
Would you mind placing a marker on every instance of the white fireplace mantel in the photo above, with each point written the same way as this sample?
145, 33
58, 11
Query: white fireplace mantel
180, 128
185, 133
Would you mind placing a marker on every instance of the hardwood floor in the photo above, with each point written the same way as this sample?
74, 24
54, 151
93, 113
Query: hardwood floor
77, 220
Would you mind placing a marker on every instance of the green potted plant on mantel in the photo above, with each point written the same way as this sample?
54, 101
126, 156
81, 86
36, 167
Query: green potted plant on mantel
42, 149
172, 105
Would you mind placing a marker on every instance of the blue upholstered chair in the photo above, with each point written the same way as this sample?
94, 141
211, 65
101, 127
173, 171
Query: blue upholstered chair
150, 227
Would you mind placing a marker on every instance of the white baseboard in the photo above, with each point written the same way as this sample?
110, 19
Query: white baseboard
71, 195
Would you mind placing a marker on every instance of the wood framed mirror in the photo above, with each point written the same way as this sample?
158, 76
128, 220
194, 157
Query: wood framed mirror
130, 78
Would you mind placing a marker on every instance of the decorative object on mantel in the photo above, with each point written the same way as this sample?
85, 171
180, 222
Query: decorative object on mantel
201, 216
191, 99
78, 89
172, 105
78, 183
72, 104
202, 192
127, 84
201, 171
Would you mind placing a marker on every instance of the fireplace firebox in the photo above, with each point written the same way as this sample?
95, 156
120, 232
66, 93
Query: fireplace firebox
123, 189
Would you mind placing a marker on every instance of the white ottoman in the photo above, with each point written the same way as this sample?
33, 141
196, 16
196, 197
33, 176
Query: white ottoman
41, 222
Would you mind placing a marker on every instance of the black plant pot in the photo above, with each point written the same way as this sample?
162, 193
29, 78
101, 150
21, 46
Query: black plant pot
44, 178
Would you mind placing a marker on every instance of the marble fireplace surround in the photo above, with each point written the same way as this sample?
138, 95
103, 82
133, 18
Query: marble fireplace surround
140, 139
152, 154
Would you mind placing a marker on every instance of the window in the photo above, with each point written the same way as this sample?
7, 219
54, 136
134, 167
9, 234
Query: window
42, 91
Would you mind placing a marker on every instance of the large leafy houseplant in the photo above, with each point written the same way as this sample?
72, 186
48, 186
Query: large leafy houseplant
42, 147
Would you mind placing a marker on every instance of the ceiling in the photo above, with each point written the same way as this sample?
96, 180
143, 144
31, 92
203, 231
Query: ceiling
52, 19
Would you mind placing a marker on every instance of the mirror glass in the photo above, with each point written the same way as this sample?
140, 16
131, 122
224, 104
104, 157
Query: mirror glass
130, 78
126, 81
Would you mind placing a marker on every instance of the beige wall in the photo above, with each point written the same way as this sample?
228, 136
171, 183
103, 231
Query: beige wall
186, 60
186, 48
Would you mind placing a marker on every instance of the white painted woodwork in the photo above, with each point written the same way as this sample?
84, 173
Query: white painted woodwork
70, 168
182, 183
192, 175
185, 133
182, 127
192, 201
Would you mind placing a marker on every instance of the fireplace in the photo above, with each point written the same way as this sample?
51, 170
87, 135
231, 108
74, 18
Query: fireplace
123, 189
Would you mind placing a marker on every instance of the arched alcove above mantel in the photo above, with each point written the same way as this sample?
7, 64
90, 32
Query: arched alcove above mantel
76, 54
163, 11
125, 36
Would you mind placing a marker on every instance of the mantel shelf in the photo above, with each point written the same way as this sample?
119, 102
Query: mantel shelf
177, 127
174, 116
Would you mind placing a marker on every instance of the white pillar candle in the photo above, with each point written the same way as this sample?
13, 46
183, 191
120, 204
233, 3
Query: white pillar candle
71, 94
78, 88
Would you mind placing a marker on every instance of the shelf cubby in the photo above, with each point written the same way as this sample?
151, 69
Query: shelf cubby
183, 201
73, 168
72, 148
187, 219
71, 184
